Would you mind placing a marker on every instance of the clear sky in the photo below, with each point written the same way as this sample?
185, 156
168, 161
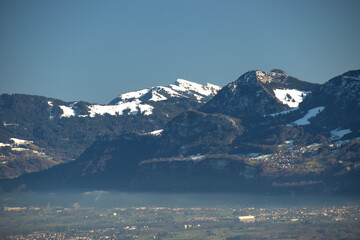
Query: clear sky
95, 50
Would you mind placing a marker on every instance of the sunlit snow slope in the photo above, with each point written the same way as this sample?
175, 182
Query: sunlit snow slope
142, 101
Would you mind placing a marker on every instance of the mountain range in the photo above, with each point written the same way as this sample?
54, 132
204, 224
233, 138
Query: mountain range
51, 131
266, 131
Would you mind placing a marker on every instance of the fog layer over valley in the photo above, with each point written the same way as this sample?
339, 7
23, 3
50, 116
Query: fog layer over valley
106, 199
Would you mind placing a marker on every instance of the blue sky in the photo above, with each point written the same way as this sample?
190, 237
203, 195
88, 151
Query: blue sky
94, 50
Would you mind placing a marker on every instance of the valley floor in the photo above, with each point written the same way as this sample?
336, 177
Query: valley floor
149, 222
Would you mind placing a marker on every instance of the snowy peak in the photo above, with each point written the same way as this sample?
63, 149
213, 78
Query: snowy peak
143, 101
257, 93
133, 95
185, 84
191, 87
180, 89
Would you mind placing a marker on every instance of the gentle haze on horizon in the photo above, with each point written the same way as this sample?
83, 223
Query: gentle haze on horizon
95, 50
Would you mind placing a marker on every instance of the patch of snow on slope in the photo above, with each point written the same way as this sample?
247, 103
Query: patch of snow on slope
146, 109
18, 141
4, 145
10, 124
67, 111
263, 157
157, 132
196, 156
170, 91
50, 103
338, 133
134, 94
133, 107
19, 149
290, 97
185, 86
198, 97
311, 113
214, 87
155, 97
314, 146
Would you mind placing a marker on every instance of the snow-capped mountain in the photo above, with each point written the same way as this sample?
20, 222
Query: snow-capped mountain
248, 146
180, 89
146, 100
62, 131
258, 93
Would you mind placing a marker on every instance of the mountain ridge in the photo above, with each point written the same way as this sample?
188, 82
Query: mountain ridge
61, 131
213, 151
254, 94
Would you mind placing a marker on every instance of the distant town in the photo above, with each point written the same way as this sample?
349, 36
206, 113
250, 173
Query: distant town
78, 222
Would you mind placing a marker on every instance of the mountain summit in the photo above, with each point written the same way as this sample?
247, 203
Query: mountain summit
180, 89
145, 101
257, 93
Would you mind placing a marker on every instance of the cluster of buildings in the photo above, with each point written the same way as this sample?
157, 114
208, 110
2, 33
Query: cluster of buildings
288, 156
143, 221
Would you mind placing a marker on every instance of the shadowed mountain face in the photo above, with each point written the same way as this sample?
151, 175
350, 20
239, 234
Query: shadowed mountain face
264, 132
340, 98
195, 132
